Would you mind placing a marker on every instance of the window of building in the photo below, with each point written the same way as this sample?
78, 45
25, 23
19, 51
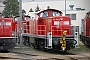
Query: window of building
72, 16
74, 29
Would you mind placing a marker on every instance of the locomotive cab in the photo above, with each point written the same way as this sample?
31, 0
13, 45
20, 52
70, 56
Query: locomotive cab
24, 22
49, 13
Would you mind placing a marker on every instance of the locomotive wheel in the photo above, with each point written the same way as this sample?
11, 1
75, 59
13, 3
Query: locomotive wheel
39, 44
26, 41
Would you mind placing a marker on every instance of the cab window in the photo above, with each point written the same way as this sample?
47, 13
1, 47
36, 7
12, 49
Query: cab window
26, 18
8, 23
66, 22
17, 18
44, 14
56, 14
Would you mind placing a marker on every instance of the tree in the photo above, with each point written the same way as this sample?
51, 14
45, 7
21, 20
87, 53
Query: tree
11, 8
31, 10
23, 11
37, 8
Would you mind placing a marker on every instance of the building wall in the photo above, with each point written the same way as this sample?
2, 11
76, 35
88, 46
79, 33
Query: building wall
79, 15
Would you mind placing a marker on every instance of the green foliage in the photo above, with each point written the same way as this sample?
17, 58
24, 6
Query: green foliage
31, 10
37, 8
11, 8
23, 11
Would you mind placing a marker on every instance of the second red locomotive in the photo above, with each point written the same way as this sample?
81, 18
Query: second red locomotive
85, 36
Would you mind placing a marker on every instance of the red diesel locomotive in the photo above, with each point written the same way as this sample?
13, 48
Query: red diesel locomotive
52, 31
7, 34
85, 32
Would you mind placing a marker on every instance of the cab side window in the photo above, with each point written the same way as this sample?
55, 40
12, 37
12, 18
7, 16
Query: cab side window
26, 18
8, 24
56, 14
17, 18
44, 14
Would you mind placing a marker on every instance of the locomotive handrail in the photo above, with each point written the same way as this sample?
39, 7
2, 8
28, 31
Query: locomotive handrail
41, 34
29, 31
25, 29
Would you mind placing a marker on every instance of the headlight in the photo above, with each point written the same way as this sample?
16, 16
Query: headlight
13, 34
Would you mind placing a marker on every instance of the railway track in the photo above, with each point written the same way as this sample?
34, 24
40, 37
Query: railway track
23, 56
41, 55
28, 56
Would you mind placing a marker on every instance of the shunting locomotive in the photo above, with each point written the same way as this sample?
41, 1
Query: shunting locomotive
52, 31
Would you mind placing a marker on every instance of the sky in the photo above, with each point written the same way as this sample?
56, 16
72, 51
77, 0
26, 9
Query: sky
60, 5
43, 5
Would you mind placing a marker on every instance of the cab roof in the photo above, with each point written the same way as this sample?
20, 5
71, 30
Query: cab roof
49, 10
